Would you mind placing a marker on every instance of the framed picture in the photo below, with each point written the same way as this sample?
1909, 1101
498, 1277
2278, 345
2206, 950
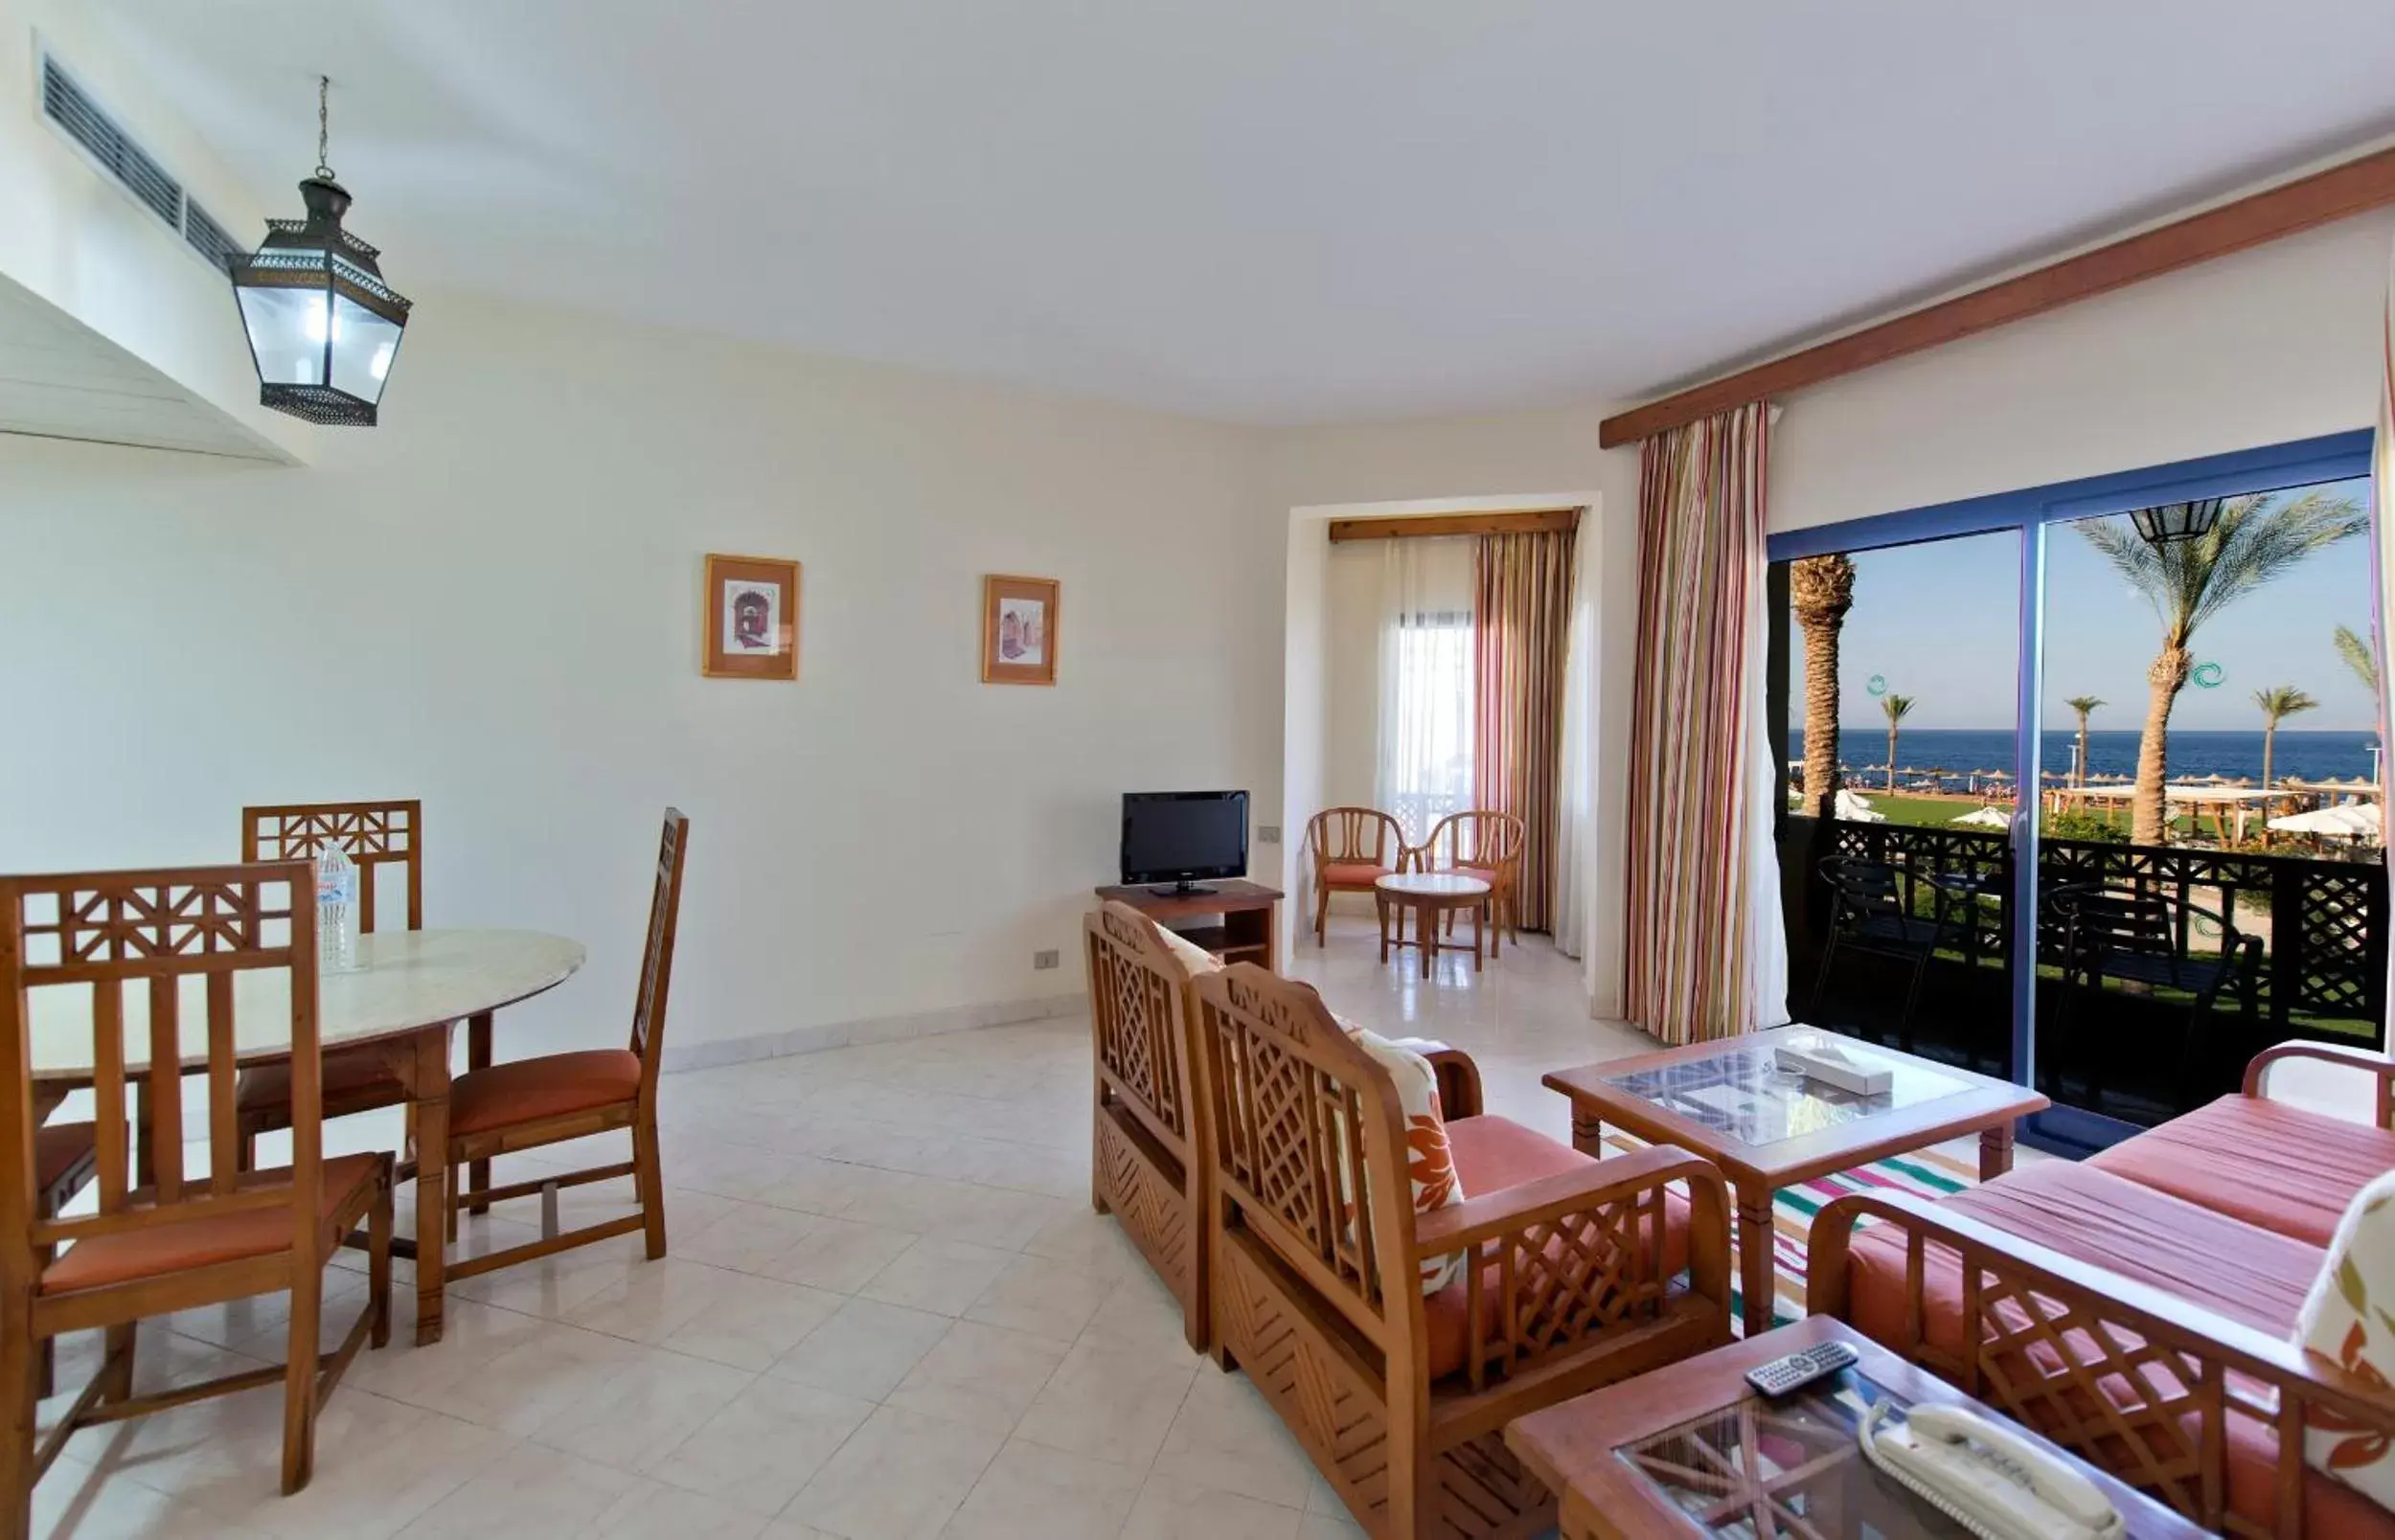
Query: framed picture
752, 619
1018, 630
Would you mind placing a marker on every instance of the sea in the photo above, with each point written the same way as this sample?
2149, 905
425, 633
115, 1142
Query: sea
1960, 752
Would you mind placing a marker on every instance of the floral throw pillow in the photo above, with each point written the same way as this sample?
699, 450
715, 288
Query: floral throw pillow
1195, 959
2349, 1317
1430, 1163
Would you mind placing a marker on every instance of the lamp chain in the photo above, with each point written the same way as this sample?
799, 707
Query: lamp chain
324, 125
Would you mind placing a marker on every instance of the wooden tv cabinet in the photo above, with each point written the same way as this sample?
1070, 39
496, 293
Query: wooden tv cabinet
1238, 915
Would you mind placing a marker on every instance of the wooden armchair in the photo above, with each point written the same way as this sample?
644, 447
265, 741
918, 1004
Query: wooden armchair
376, 834
1571, 1277
150, 946
1352, 848
545, 1100
1485, 844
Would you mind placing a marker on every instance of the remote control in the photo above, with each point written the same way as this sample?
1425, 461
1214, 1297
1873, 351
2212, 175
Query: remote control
1799, 1369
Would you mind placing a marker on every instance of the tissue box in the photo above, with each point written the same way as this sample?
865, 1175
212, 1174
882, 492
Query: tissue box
1833, 1065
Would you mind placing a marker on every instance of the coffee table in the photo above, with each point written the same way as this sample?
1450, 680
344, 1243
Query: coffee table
1430, 894
1690, 1450
1728, 1102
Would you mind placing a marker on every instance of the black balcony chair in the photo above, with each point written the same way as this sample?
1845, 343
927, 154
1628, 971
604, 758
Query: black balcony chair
1869, 912
2137, 936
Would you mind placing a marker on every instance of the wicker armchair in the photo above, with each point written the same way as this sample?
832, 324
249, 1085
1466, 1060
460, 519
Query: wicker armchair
1572, 1280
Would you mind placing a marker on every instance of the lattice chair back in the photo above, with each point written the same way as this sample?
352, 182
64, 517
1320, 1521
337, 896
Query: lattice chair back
376, 834
182, 968
1355, 834
656, 963
1137, 1004
1482, 837
1308, 1146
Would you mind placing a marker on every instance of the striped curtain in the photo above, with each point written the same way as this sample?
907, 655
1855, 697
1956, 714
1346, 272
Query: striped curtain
1706, 952
1521, 620
2383, 540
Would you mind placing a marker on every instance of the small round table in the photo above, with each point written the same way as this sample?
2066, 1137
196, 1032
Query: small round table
1430, 896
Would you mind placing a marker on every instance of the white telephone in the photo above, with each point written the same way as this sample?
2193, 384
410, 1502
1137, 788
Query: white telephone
1991, 1480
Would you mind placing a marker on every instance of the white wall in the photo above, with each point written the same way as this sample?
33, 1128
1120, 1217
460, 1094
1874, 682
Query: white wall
491, 602
2271, 345
81, 242
1351, 711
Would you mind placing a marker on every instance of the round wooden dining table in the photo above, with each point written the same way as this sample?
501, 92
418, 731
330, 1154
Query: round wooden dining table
408, 996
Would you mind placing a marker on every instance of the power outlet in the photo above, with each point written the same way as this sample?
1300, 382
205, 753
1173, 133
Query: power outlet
1044, 959
1268, 835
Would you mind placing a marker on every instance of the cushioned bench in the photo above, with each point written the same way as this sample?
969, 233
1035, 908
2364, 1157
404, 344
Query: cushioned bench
2140, 1307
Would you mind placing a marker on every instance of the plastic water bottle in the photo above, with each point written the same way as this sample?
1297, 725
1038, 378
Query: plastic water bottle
336, 911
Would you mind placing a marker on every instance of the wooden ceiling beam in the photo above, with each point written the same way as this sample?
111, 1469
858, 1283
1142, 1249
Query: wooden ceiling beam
1546, 521
2324, 198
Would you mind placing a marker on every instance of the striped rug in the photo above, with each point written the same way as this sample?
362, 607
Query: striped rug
1927, 1172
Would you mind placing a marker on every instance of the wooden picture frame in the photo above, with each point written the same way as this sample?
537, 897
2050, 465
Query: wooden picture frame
1019, 629
750, 630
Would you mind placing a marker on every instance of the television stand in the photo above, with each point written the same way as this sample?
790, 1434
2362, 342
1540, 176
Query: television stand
1234, 921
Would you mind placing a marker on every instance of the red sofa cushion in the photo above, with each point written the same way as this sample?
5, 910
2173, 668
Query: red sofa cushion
2279, 1167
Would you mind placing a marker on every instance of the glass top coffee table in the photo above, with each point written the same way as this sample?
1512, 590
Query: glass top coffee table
1768, 1129
1690, 1450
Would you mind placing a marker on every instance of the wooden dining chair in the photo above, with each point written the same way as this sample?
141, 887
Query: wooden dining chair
557, 1097
376, 834
150, 947
1352, 848
1486, 844
65, 1156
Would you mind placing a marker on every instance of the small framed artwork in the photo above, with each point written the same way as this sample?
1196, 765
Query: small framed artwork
752, 619
1018, 630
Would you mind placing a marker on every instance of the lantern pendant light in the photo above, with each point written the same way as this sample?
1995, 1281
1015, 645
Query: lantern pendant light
323, 325
2173, 522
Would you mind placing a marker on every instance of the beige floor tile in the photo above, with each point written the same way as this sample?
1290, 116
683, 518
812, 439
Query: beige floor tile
839, 1254
744, 1236
1329, 1526
640, 1415
1168, 1509
1226, 1437
1141, 1316
650, 1302
899, 1477
473, 1336
538, 1379
74, 1502
1109, 1404
1043, 1296
764, 1444
1089, 1240
864, 1350
982, 1374
530, 1493
941, 1275
749, 1322
669, 1513
1034, 1493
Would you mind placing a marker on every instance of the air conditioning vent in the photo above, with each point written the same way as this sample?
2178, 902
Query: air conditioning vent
210, 239
80, 120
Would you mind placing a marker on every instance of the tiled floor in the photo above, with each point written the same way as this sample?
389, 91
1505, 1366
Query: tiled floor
888, 1313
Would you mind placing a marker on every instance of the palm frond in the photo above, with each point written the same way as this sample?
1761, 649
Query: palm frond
1896, 707
2255, 539
2282, 701
2358, 656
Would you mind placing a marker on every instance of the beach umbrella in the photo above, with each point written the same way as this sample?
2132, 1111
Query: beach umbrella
1853, 808
1984, 818
2347, 821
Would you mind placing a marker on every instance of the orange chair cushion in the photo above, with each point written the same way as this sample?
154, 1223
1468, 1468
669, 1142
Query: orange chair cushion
347, 1073
2279, 1167
205, 1240
1352, 873
529, 1090
1490, 876
58, 1149
2249, 1275
1491, 1154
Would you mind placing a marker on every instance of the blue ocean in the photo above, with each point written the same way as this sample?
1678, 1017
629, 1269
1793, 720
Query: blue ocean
2230, 755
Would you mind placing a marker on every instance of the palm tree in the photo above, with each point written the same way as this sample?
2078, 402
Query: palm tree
1821, 590
2277, 703
2358, 657
2254, 540
2083, 705
1896, 706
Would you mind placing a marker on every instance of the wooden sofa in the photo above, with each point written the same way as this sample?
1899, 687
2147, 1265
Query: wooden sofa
1145, 1114
2138, 1308
1579, 1272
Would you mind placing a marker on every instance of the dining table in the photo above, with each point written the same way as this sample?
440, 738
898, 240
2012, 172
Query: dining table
407, 997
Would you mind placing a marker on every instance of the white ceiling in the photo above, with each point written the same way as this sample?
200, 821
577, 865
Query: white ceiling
60, 379
1265, 210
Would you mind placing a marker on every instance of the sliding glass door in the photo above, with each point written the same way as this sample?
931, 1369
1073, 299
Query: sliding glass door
2099, 803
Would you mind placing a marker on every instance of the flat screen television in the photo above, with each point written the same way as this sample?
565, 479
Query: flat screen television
1182, 836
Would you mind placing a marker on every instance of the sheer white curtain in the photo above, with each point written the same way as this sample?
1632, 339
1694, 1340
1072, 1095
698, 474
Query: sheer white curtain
1424, 764
1575, 836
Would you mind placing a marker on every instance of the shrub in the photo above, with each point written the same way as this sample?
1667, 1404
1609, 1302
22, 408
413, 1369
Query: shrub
2078, 823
